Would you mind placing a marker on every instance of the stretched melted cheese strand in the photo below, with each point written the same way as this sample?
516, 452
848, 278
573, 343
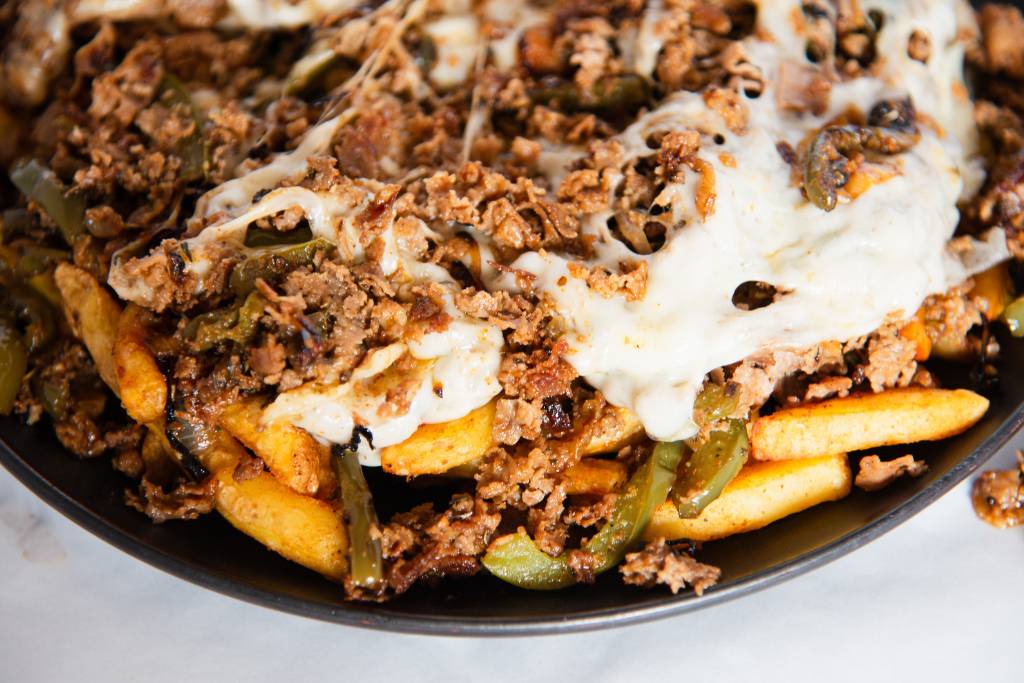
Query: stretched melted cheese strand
257, 14
844, 271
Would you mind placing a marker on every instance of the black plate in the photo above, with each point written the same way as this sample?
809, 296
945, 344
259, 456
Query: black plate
208, 552
211, 554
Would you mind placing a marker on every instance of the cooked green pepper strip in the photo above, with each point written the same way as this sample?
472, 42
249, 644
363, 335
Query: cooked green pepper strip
366, 560
256, 238
53, 394
711, 467
234, 324
191, 149
825, 167
517, 559
36, 312
13, 363
1013, 316
610, 94
39, 184
275, 264
34, 259
715, 402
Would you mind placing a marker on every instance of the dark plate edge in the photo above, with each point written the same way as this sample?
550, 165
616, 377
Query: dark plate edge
571, 623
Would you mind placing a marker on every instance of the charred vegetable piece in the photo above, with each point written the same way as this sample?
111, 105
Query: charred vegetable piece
42, 186
1013, 316
306, 72
711, 467
236, 324
366, 561
273, 265
13, 363
517, 559
36, 312
256, 238
191, 149
53, 394
188, 436
825, 169
610, 94
34, 259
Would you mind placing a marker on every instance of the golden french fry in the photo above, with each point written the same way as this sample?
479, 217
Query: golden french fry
993, 287
437, 448
761, 493
854, 423
301, 528
142, 386
592, 476
93, 316
616, 428
293, 456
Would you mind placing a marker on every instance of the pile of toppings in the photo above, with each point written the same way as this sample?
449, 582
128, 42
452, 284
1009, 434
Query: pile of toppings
369, 217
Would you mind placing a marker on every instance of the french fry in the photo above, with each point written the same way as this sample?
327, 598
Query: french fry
300, 528
993, 288
293, 456
142, 386
592, 476
616, 428
761, 493
855, 423
437, 448
93, 316
303, 529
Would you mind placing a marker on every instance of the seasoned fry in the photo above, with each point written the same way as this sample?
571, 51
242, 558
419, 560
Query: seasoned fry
142, 385
759, 495
437, 448
294, 457
616, 428
854, 423
93, 315
300, 528
592, 476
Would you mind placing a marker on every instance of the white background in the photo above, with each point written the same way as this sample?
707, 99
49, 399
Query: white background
940, 598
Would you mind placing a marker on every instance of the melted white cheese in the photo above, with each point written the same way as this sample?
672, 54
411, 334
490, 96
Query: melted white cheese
257, 14
457, 41
844, 271
460, 374
459, 367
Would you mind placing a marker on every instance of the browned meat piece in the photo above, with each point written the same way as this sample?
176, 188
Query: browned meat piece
875, 473
998, 497
802, 89
1001, 28
185, 501
420, 542
658, 563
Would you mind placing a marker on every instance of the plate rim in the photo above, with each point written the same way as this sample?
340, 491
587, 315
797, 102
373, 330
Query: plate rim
381, 619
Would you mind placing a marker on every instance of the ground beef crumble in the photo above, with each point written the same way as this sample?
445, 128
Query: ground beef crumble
874, 473
660, 563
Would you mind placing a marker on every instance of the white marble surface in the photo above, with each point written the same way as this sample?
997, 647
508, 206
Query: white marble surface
940, 598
